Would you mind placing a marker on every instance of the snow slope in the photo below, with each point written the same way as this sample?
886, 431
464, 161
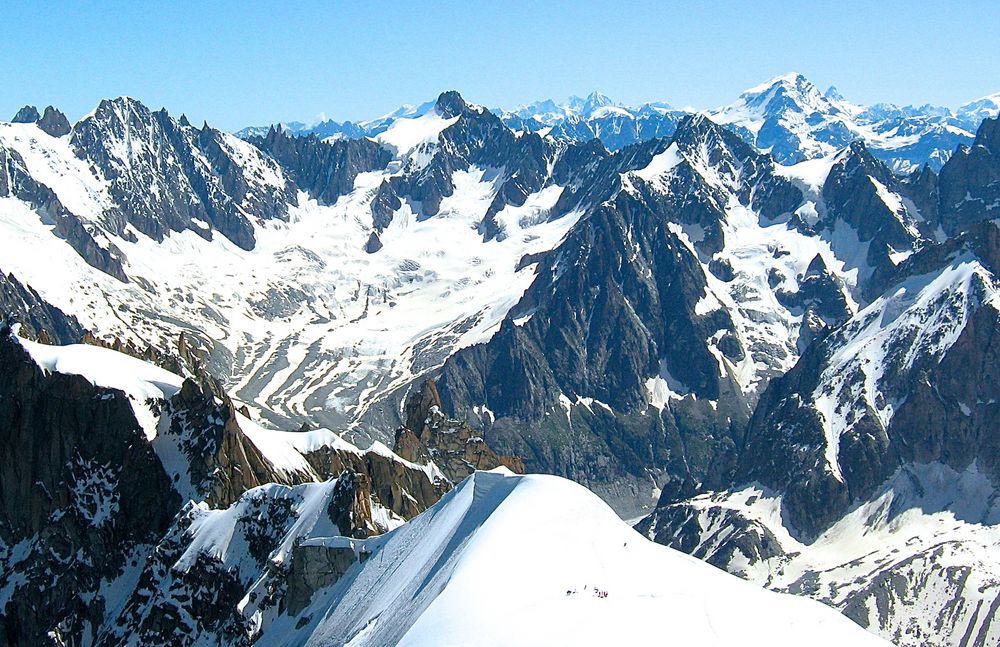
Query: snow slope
912, 327
539, 560
915, 564
307, 324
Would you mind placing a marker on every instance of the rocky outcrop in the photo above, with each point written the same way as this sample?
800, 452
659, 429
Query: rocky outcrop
26, 115
315, 566
283, 544
54, 122
326, 170
453, 445
80, 489
222, 462
205, 180
95, 542
39, 319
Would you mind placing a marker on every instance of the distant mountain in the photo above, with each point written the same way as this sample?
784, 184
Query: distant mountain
329, 129
786, 116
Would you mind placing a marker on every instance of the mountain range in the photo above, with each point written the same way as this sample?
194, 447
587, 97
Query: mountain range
761, 330
787, 116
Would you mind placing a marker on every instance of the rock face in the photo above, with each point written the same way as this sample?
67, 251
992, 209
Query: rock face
855, 194
884, 429
325, 170
222, 462
453, 445
92, 505
201, 176
54, 122
314, 568
80, 489
26, 115
39, 319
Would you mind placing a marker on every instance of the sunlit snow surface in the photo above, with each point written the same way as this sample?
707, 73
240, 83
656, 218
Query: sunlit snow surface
921, 554
311, 324
538, 560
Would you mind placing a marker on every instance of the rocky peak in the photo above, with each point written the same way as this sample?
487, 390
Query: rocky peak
790, 91
451, 104
54, 122
988, 135
865, 194
594, 101
206, 181
697, 129
701, 138
26, 115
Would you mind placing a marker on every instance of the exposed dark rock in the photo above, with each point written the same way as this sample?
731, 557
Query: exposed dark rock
41, 320
78, 483
315, 567
716, 535
374, 243
403, 490
852, 195
199, 175
325, 170
54, 122
969, 184
453, 445
26, 115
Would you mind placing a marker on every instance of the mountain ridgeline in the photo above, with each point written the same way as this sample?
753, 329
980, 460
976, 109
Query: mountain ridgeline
755, 326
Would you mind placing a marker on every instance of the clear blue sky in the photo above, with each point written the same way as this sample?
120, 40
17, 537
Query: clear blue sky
241, 63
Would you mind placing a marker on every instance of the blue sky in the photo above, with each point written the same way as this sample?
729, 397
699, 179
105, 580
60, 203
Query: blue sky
240, 63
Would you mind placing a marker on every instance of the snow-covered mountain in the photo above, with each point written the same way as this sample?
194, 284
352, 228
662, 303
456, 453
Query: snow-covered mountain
538, 560
465, 571
787, 116
684, 321
867, 473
